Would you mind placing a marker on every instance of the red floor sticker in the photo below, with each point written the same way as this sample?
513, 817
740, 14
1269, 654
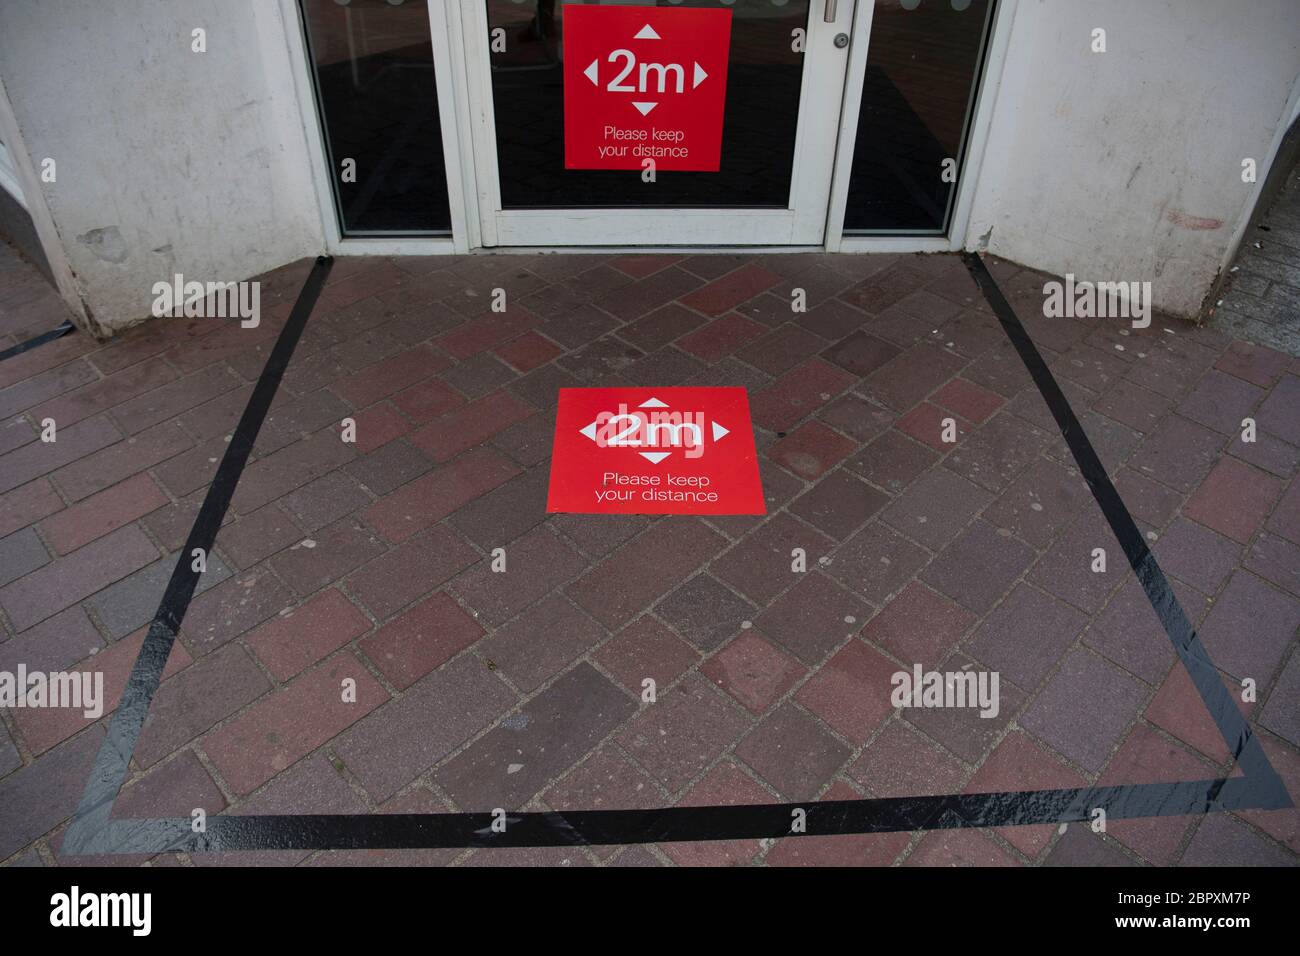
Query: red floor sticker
644, 83
654, 451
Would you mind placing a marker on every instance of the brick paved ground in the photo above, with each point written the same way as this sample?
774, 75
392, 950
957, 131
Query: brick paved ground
1262, 303
477, 690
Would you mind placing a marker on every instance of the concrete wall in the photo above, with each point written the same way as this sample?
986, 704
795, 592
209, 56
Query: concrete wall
1127, 164
168, 160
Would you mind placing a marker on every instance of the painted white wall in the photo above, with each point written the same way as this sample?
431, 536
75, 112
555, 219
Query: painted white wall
168, 160
1127, 164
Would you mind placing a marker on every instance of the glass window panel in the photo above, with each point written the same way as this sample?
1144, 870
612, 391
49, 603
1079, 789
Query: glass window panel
764, 77
923, 68
378, 100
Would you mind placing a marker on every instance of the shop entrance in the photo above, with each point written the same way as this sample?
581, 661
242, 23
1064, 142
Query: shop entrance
835, 124
694, 123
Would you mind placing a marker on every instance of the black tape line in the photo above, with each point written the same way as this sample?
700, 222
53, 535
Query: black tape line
1242, 743
96, 834
41, 339
672, 824
113, 761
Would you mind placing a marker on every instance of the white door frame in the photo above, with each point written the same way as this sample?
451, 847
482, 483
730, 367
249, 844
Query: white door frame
803, 222
444, 55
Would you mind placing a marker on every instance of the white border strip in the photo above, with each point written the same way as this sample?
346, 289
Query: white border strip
990, 88
855, 75
300, 69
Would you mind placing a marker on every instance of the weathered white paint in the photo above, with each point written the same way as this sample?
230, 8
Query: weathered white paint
168, 160
1127, 164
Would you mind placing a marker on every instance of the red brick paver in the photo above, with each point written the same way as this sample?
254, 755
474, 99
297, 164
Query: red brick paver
357, 644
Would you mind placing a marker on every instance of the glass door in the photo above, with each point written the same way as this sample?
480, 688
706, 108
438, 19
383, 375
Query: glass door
676, 122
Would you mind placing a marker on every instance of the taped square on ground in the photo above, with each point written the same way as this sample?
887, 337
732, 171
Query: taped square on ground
726, 815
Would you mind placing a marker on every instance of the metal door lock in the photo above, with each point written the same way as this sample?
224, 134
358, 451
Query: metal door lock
841, 40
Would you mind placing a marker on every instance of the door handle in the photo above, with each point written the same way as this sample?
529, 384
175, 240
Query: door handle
830, 10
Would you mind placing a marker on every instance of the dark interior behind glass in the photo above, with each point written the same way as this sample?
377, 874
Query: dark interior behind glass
923, 68
373, 66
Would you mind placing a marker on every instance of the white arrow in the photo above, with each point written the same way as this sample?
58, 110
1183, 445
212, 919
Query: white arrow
652, 403
719, 431
644, 108
589, 431
647, 32
655, 456
592, 72
700, 76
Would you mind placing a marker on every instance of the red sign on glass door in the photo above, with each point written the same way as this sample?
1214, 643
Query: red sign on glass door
644, 83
